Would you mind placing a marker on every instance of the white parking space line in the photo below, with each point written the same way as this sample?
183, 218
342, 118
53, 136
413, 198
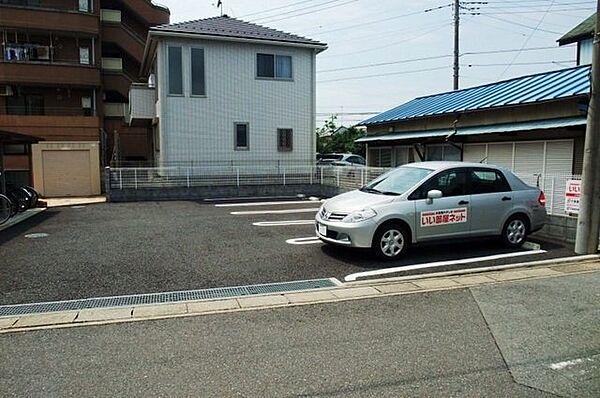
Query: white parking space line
311, 240
294, 202
288, 211
283, 223
353, 277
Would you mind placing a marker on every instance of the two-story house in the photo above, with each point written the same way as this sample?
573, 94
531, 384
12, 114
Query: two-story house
224, 91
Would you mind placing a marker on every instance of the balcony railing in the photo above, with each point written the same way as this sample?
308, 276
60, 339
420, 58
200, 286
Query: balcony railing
73, 5
142, 102
48, 111
49, 73
68, 19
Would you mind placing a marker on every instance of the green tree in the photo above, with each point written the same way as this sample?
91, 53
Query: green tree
329, 140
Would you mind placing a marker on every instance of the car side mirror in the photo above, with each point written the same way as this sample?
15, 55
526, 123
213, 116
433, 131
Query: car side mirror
433, 194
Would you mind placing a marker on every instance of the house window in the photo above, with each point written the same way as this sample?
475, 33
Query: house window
175, 74
285, 140
274, 66
241, 136
198, 82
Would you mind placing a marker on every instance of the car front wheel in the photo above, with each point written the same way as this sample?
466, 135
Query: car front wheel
390, 242
515, 231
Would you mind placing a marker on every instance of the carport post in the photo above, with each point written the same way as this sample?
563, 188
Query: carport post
284, 176
237, 178
135, 178
188, 177
311, 176
337, 177
120, 180
321, 176
362, 178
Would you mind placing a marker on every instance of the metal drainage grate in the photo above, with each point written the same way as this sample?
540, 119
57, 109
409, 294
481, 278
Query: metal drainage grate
167, 297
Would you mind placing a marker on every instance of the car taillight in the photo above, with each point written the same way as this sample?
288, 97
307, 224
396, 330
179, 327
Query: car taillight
542, 199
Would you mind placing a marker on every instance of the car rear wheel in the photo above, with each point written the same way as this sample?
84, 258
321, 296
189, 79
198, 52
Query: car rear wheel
390, 241
515, 231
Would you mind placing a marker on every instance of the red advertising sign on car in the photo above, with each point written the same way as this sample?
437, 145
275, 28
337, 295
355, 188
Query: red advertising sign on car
443, 217
572, 196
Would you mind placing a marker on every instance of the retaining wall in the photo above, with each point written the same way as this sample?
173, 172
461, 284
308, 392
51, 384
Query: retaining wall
213, 192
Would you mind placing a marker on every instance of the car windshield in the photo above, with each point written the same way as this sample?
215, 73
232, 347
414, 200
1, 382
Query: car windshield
397, 181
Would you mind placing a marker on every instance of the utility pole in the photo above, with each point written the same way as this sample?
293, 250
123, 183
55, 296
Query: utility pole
456, 41
588, 222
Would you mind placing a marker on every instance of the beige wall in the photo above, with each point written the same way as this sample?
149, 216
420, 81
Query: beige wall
66, 168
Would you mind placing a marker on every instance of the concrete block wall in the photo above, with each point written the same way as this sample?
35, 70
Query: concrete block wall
559, 228
213, 192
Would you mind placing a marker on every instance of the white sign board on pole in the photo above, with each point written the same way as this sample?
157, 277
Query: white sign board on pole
572, 196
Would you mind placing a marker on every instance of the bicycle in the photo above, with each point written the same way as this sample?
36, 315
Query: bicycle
7, 209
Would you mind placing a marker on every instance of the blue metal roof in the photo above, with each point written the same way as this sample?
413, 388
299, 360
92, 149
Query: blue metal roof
477, 130
529, 89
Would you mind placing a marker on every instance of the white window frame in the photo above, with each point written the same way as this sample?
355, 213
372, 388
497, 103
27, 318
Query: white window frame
235, 143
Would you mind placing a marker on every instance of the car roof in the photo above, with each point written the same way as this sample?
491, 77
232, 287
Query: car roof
440, 165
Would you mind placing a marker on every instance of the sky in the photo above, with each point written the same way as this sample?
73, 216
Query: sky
413, 39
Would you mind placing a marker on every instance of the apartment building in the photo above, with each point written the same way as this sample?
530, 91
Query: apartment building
65, 71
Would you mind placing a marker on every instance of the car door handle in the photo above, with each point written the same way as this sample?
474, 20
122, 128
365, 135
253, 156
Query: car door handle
463, 202
504, 199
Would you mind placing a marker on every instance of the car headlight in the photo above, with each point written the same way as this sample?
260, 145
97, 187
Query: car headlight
360, 215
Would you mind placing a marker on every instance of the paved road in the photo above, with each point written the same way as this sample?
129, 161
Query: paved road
127, 248
452, 343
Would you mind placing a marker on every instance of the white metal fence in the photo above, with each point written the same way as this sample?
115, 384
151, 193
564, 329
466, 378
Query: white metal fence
200, 176
345, 178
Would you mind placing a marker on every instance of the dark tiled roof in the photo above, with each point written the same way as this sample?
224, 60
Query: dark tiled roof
230, 27
583, 30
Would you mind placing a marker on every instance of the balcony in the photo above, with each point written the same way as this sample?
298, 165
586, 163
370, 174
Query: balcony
57, 128
13, 16
47, 73
142, 103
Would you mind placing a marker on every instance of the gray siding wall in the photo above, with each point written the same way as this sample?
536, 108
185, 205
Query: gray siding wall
201, 129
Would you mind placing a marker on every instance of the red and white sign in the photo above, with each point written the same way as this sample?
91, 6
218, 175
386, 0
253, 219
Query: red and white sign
572, 196
443, 217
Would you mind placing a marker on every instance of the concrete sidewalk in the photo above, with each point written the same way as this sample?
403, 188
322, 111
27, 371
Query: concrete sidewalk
344, 292
526, 333
74, 201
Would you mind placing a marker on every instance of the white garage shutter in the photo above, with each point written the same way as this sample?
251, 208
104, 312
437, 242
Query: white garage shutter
474, 152
500, 155
529, 160
559, 157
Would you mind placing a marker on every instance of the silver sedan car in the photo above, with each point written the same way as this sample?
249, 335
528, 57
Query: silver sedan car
431, 201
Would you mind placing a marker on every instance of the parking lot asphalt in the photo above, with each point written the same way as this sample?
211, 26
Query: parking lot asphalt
128, 248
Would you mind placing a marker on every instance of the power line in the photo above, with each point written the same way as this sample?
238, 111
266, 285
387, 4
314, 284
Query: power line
522, 25
526, 41
276, 8
386, 74
381, 20
464, 54
521, 63
295, 14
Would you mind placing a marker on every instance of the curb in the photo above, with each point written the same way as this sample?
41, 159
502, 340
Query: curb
449, 280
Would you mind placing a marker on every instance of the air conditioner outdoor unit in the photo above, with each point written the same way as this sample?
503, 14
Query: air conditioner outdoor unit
6, 91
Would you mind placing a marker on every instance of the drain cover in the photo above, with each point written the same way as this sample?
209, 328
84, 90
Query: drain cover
37, 235
167, 297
